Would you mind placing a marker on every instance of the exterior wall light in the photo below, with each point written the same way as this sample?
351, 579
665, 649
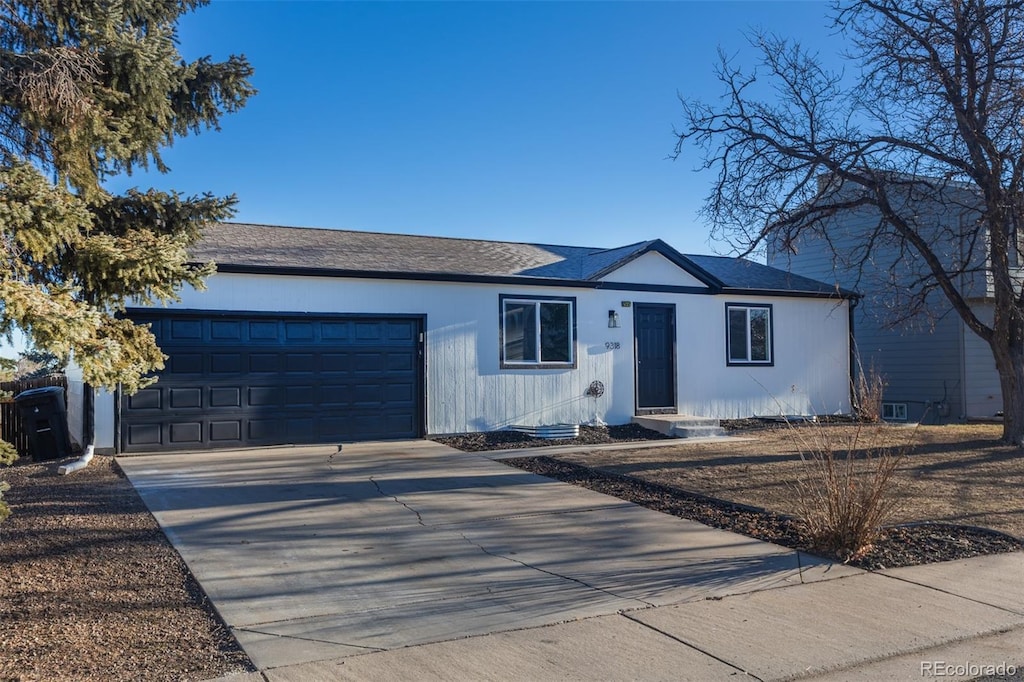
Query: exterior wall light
613, 319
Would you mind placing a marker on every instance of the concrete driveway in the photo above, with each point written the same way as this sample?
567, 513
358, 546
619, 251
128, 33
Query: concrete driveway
310, 555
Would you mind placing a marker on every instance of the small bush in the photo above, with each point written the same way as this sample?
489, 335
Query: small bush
868, 390
848, 493
7, 456
5, 510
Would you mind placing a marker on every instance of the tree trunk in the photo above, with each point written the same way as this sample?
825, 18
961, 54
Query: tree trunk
1009, 359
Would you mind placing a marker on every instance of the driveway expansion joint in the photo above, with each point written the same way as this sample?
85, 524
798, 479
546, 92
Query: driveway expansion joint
419, 518
370, 649
1015, 611
692, 646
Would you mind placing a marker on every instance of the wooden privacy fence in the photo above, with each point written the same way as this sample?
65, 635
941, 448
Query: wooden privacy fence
11, 429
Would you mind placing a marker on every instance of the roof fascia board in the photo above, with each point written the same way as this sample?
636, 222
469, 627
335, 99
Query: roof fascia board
835, 294
512, 281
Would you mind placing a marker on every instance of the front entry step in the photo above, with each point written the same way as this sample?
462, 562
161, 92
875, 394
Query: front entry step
681, 426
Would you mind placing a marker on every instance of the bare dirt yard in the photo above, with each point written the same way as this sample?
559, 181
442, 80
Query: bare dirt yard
90, 589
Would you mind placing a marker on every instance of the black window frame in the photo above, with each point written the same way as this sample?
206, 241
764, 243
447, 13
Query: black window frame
770, 336
505, 363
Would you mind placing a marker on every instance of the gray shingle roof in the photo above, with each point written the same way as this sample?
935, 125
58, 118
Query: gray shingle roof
739, 273
243, 246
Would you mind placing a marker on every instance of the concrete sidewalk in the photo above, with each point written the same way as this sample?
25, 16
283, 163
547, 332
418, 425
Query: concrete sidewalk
414, 561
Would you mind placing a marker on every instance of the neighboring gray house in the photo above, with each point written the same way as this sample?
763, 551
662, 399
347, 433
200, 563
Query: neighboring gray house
937, 369
325, 336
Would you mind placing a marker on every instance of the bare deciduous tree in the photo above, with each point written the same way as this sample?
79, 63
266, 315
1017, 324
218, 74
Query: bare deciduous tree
928, 120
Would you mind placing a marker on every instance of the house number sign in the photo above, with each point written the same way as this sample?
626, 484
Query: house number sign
612, 345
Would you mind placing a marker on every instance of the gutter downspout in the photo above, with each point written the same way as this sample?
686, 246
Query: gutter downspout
854, 300
77, 464
90, 420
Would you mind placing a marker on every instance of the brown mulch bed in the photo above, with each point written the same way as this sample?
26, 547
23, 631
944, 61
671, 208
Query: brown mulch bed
514, 440
90, 588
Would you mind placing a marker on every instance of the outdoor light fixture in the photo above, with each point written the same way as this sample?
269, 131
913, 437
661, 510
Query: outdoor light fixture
613, 319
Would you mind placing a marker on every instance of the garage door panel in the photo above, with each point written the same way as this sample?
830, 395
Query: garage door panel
301, 396
335, 362
335, 331
402, 331
299, 331
187, 433
146, 399
264, 396
227, 396
185, 330
185, 398
141, 435
226, 432
400, 393
184, 363
226, 330
236, 381
265, 331
300, 362
400, 362
264, 362
226, 363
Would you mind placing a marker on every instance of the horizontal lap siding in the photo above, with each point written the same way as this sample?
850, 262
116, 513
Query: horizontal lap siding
922, 362
983, 393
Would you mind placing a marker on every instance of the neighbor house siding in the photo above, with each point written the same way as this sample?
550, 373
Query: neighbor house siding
923, 360
983, 396
921, 366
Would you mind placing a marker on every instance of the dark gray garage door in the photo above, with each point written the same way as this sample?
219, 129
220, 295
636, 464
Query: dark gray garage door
235, 380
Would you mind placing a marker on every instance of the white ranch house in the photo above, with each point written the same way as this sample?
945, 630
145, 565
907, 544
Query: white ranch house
327, 336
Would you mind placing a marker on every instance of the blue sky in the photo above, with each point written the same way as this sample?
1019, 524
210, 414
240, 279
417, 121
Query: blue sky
527, 121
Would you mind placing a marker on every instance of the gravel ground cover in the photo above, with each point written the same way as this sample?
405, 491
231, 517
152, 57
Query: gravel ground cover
90, 589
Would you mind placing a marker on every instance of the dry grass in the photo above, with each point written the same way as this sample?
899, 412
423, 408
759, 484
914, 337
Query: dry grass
957, 474
848, 492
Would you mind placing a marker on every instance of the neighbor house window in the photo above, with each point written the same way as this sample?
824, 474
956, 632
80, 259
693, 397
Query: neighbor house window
896, 412
538, 332
748, 331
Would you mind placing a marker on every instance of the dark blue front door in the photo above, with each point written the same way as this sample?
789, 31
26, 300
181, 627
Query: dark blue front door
655, 337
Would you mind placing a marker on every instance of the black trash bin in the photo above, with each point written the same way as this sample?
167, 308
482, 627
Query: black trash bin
45, 420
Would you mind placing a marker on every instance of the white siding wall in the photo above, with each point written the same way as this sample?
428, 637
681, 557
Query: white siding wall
811, 351
653, 268
466, 390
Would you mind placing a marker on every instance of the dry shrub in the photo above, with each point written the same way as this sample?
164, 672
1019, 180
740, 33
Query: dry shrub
848, 492
868, 390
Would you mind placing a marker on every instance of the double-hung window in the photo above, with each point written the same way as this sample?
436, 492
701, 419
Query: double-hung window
748, 331
537, 332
